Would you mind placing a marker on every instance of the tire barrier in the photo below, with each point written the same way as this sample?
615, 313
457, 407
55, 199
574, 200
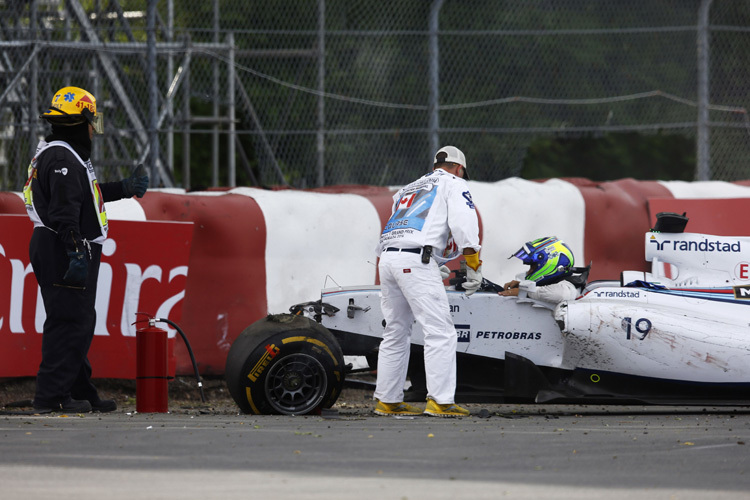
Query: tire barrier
251, 252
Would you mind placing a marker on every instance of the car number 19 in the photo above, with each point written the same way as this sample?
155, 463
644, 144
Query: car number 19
642, 326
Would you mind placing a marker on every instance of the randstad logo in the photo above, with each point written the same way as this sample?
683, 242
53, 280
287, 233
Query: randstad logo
698, 246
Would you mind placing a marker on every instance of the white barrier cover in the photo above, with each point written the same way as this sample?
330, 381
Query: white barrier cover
313, 241
319, 240
125, 209
515, 211
706, 189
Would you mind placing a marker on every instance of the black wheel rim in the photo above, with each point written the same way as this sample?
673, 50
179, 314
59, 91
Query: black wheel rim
296, 384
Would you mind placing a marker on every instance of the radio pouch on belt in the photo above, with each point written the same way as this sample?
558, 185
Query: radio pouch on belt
426, 254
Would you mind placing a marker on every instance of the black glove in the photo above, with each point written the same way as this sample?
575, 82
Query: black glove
136, 184
78, 269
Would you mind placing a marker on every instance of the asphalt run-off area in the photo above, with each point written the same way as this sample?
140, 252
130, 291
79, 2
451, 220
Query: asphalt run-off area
500, 451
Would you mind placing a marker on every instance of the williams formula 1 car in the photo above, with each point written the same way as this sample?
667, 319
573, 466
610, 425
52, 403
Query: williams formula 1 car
677, 335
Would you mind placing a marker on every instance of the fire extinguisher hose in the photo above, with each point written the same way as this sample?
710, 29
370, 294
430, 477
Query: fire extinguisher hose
190, 351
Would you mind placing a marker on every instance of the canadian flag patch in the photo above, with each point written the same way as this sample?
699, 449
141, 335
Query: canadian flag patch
407, 271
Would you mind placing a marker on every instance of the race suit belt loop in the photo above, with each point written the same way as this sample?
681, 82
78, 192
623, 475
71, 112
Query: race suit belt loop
410, 250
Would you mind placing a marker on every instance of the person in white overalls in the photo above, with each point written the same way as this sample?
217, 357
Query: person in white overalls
433, 220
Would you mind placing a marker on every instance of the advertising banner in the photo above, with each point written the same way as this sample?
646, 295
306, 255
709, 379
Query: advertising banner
144, 268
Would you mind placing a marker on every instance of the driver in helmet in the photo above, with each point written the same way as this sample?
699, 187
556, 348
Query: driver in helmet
550, 261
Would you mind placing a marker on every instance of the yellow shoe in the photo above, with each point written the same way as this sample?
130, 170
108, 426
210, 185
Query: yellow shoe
396, 409
448, 410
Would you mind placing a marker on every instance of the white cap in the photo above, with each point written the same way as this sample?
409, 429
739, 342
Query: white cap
452, 155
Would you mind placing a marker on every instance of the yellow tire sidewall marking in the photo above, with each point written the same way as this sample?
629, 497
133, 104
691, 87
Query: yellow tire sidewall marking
316, 342
250, 400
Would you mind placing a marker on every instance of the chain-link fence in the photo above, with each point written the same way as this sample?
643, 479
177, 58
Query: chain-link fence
320, 92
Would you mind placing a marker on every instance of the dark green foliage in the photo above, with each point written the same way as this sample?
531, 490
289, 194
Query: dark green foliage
612, 156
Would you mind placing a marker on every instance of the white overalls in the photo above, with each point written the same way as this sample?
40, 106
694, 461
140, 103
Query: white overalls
435, 210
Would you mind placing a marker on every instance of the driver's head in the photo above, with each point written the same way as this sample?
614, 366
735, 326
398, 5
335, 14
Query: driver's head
549, 260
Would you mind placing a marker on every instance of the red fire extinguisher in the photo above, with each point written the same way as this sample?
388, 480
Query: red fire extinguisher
152, 370
152, 367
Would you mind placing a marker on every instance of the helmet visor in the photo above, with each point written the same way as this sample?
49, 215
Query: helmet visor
97, 122
524, 253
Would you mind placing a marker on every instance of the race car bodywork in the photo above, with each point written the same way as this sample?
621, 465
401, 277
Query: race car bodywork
677, 335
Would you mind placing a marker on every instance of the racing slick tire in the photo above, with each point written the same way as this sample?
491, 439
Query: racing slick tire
285, 364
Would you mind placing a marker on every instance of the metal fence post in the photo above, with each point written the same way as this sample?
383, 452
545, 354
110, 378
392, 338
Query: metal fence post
34, 84
153, 93
186, 117
231, 136
434, 76
321, 125
215, 96
170, 105
703, 145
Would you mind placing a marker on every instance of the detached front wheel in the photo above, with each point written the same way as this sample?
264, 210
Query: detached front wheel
285, 364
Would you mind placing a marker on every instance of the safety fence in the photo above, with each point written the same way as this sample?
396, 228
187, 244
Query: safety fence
311, 93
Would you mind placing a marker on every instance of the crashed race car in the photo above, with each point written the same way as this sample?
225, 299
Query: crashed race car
678, 335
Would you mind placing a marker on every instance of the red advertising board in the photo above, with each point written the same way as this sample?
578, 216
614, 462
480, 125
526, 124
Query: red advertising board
144, 269
720, 217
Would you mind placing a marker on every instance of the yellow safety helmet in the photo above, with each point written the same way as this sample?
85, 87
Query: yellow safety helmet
73, 105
